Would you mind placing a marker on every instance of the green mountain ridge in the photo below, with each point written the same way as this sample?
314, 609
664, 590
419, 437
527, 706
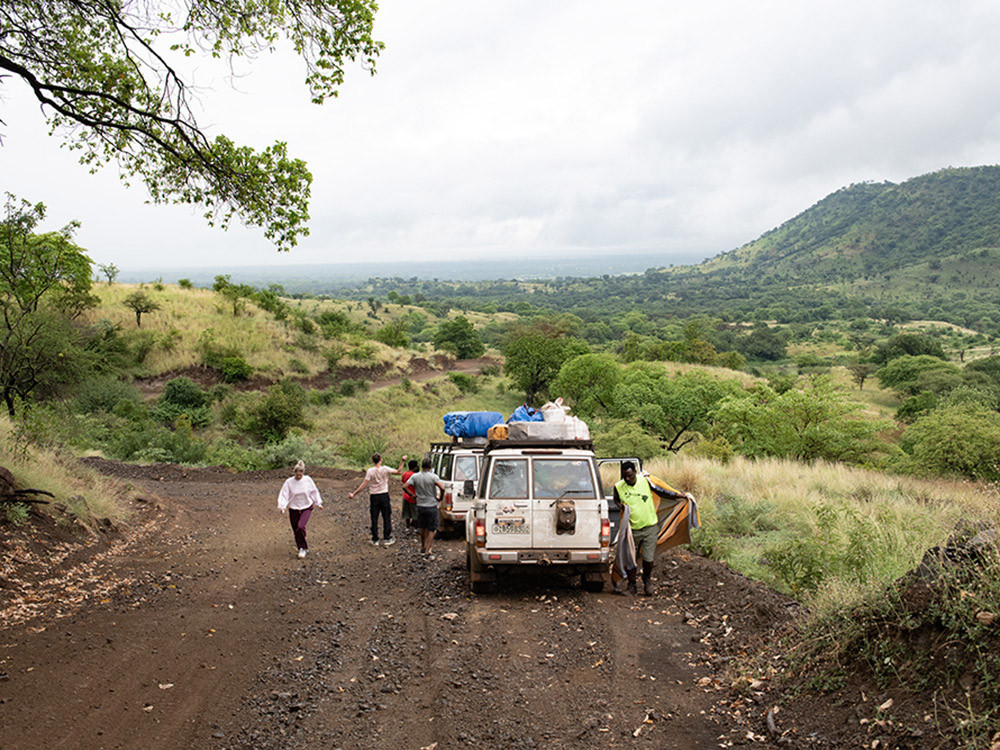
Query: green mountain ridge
868, 229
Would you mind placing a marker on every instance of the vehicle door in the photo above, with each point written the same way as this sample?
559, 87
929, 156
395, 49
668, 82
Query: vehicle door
443, 472
464, 478
610, 472
508, 508
565, 477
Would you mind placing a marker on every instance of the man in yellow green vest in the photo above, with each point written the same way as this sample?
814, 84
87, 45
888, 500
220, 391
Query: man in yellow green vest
637, 493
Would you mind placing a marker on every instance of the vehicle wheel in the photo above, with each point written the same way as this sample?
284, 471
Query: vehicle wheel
595, 587
476, 572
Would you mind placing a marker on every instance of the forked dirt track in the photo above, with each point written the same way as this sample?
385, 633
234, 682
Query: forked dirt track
216, 636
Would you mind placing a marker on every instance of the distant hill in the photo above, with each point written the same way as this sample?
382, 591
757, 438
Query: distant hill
332, 278
868, 229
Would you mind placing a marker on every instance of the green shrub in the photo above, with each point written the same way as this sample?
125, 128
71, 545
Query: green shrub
182, 397
141, 343
103, 394
169, 340
349, 387
234, 369
16, 513
295, 448
393, 334
185, 283
466, 383
739, 517
183, 391
227, 360
155, 443
712, 542
324, 397
962, 440
718, 449
220, 392
800, 564
358, 449
232, 455
490, 371
364, 352
297, 365
269, 417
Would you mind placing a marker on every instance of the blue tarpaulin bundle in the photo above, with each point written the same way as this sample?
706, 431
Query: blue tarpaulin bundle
470, 423
525, 413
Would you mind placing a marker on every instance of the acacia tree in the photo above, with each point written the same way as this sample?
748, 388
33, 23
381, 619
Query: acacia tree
45, 283
107, 78
110, 270
140, 303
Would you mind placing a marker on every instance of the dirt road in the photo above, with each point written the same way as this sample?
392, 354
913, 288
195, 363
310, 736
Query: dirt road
215, 635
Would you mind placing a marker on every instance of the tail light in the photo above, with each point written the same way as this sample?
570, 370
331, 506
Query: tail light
480, 532
447, 501
605, 533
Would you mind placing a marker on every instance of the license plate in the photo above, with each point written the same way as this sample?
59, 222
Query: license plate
510, 526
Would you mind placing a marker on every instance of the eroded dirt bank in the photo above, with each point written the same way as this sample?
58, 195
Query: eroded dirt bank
216, 636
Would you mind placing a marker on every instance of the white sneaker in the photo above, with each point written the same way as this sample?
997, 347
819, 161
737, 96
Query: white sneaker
373, 542
390, 540
302, 553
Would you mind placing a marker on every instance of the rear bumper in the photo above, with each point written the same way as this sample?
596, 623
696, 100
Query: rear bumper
542, 557
453, 516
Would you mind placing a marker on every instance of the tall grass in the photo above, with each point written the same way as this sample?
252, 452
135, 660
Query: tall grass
85, 492
267, 344
826, 533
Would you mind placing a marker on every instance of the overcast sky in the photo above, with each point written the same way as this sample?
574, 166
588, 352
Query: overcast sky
550, 128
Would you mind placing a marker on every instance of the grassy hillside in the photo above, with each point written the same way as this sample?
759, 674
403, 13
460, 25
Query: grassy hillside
873, 228
174, 336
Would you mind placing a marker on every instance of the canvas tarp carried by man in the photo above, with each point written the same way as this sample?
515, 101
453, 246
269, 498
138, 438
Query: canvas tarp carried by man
676, 519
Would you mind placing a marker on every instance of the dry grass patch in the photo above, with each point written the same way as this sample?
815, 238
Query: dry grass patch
184, 317
824, 532
85, 492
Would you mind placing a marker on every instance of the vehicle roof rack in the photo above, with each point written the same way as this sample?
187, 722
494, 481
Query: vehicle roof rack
587, 445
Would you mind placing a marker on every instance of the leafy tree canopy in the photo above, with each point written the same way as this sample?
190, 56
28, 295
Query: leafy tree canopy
904, 373
674, 408
460, 335
45, 282
107, 76
815, 422
533, 356
914, 344
963, 440
588, 381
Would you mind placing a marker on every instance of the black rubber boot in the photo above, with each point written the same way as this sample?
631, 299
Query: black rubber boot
647, 574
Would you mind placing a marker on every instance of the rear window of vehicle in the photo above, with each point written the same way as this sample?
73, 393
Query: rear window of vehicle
465, 468
510, 478
562, 477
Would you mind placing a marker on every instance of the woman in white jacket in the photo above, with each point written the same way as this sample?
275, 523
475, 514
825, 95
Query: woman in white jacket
299, 495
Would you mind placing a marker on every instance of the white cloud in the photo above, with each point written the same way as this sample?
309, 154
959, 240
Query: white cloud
536, 128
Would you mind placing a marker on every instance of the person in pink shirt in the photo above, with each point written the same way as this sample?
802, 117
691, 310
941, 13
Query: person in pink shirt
378, 479
299, 495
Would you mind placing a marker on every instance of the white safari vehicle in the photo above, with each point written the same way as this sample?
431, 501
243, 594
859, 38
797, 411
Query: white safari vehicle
457, 464
539, 503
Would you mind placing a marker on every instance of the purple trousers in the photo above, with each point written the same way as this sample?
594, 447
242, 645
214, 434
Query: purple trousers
299, 519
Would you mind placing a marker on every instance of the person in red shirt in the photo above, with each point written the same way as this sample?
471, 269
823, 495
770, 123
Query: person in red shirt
409, 497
